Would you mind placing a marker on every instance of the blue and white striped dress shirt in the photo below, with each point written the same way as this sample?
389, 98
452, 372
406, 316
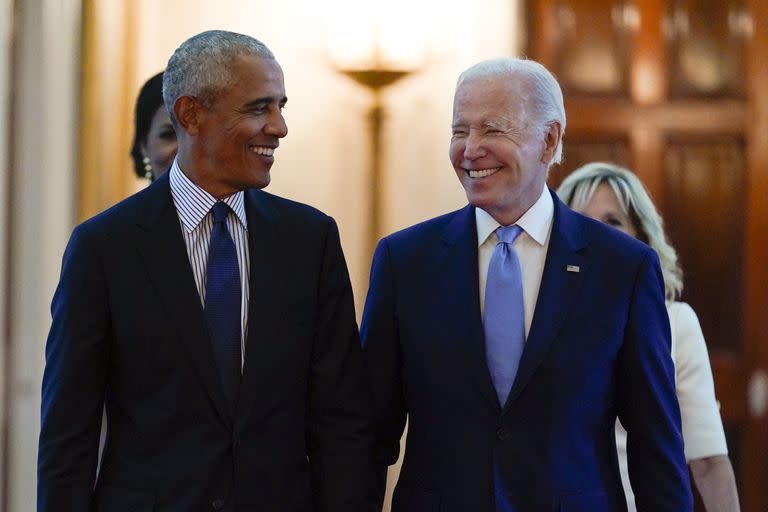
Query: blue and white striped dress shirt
193, 205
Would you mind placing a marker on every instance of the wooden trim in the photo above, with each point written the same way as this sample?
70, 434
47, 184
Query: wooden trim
756, 251
543, 30
648, 75
597, 116
646, 150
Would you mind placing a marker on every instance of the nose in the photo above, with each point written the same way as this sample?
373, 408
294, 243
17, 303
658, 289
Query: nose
276, 126
473, 146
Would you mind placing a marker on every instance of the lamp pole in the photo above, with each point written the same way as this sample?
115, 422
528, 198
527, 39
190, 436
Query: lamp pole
375, 79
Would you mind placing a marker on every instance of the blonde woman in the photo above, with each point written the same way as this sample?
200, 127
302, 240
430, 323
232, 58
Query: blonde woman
614, 196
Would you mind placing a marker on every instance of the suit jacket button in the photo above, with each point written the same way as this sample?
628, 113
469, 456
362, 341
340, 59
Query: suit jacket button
217, 504
503, 434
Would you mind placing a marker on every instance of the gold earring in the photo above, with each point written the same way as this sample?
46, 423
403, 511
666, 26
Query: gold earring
147, 167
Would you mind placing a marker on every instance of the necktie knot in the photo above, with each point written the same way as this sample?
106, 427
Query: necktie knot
508, 234
220, 211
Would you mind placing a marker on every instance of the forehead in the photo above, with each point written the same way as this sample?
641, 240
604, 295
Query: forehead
160, 117
256, 76
605, 199
483, 98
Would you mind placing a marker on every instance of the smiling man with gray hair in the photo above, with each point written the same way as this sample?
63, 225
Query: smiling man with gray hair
214, 321
512, 332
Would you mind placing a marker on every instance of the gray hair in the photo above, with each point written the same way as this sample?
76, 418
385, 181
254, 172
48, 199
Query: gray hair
579, 187
545, 99
200, 67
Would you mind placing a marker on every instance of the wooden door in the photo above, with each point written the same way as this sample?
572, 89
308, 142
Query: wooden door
677, 91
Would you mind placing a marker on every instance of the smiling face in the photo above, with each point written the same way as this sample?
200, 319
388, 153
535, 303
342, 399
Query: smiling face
500, 157
604, 206
233, 140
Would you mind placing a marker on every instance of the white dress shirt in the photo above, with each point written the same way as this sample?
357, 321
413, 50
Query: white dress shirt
531, 248
193, 205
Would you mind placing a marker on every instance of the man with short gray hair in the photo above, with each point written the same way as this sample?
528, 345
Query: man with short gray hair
511, 333
213, 320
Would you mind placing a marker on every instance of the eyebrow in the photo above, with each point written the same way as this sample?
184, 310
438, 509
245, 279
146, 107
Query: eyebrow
503, 126
259, 102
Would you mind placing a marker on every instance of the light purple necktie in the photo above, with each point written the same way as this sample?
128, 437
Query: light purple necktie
504, 315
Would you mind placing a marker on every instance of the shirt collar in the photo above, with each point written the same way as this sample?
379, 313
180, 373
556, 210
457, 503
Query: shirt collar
193, 203
537, 221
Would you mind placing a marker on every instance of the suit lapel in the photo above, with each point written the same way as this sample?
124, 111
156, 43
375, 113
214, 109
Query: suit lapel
163, 250
458, 273
557, 291
264, 304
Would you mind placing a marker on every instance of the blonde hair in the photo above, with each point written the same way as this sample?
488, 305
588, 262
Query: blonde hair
578, 188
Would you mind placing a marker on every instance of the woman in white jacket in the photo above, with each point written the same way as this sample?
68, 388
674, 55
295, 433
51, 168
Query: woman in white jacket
614, 196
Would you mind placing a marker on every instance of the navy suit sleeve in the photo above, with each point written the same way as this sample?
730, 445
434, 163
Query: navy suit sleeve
648, 407
74, 380
340, 428
381, 350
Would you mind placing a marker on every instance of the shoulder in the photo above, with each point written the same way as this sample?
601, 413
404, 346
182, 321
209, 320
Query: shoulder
602, 241
681, 311
685, 328
124, 214
290, 218
426, 232
284, 207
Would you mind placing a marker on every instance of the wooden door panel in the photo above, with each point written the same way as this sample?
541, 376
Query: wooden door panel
704, 216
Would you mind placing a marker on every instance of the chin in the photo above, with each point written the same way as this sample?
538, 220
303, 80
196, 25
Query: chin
263, 181
479, 200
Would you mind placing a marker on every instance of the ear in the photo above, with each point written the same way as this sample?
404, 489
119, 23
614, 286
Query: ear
551, 140
188, 111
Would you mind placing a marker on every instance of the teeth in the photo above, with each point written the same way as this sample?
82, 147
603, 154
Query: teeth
482, 173
262, 150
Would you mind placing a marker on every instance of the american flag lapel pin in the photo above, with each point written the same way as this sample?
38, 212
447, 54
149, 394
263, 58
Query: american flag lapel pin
572, 268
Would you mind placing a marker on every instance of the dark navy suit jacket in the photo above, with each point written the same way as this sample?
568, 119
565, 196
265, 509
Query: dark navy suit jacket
598, 347
128, 331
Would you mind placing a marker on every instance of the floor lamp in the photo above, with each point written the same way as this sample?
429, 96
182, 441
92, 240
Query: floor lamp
375, 78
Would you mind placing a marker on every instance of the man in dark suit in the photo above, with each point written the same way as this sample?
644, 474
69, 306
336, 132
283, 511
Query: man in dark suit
512, 332
214, 321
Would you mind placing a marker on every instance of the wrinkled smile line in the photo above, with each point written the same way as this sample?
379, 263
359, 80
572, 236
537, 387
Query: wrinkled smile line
263, 150
482, 173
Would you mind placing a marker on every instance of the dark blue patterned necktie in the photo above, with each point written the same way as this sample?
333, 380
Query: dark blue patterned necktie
222, 303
